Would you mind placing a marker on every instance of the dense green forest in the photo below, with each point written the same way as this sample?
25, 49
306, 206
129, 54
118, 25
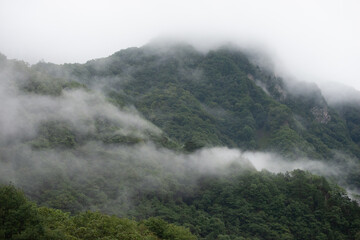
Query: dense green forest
218, 98
250, 205
21, 219
153, 134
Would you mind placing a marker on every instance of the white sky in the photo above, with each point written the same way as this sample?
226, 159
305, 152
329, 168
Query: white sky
312, 39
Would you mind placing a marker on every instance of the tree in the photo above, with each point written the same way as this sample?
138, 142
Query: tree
18, 217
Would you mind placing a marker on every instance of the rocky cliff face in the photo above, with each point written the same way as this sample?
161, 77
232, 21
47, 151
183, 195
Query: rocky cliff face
321, 114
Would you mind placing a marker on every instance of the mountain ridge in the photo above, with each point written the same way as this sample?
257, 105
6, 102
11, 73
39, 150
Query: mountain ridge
150, 132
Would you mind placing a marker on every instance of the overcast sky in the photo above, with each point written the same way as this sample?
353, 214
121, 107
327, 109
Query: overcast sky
313, 40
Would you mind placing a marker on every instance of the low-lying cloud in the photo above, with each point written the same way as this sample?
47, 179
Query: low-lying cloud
22, 113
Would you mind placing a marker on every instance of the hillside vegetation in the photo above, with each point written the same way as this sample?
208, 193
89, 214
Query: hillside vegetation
151, 134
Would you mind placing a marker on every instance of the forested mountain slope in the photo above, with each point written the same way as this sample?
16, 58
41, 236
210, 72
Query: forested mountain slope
155, 132
217, 98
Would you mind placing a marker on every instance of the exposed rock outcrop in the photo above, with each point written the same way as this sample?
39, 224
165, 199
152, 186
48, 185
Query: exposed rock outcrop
321, 114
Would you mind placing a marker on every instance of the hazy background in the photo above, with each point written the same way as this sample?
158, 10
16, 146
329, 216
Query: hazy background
312, 40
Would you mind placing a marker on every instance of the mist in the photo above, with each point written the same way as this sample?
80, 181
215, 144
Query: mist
315, 41
339, 94
21, 112
120, 171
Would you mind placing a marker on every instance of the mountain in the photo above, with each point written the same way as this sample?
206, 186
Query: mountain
217, 98
155, 132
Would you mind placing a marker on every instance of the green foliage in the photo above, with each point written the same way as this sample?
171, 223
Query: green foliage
351, 114
191, 146
45, 85
184, 119
246, 203
211, 99
53, 134
197, 100
278, 116
20, 219
289, 143
89, 225
163, 230
261, 205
